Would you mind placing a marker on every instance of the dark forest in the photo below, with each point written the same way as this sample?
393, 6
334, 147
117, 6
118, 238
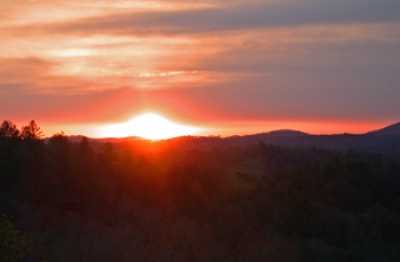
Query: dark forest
78, 199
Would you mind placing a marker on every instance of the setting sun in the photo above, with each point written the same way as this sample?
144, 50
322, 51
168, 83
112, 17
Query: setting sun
149, 126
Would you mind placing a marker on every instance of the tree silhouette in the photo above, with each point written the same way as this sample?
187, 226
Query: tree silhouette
32, 131
8, 130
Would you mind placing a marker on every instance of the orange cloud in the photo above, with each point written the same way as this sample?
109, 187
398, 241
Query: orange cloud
74, 62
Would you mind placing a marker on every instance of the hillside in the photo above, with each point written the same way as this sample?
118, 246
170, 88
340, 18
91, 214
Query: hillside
384, 141
392, 130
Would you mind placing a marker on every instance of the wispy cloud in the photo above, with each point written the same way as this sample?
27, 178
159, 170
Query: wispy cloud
245, 16
211, 59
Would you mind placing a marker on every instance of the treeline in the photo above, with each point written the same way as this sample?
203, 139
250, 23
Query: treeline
85, 200
8, 130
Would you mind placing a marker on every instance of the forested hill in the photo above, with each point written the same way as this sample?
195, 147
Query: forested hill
76, 199
383, 141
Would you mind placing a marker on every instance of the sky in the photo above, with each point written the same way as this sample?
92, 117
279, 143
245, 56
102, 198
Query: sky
230, 67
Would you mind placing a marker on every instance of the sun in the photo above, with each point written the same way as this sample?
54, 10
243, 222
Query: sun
150, 126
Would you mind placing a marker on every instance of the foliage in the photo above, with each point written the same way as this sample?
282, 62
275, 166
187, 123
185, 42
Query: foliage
8, 130
14, 246
31, 131
178, 200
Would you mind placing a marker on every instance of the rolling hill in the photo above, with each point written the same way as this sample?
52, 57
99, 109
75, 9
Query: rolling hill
382, 141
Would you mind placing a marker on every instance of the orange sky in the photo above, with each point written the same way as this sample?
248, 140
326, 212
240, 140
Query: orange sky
232, 67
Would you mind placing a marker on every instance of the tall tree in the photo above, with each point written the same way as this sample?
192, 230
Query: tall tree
8, 130
32, 131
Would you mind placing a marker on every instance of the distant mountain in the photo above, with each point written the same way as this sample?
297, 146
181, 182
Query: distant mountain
392, 130
287, 133
382, 141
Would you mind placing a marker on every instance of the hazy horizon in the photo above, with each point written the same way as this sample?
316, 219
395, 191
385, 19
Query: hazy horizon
92, 132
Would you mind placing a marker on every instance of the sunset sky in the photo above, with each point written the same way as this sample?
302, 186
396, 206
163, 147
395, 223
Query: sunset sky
227, 67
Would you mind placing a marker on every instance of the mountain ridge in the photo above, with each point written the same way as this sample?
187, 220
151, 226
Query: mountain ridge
393, 129
382, 141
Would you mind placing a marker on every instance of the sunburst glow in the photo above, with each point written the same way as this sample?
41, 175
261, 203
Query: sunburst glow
149, 126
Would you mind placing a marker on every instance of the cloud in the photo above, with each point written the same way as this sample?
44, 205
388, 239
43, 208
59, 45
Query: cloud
104, 105
225, 61
310, 49
256, 15
353, 96
22, 71
33, 75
